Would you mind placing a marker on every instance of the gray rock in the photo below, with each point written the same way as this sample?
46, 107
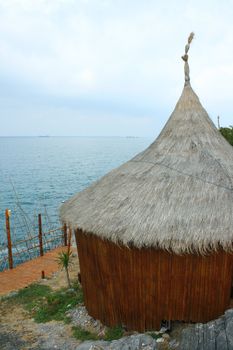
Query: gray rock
214, 335
93, 345
79, 317
133, 342
221, 341
173, 344
209, 336
189, 339
220, 334
229, 314
119, 346
229, 327
141, 341
229, 333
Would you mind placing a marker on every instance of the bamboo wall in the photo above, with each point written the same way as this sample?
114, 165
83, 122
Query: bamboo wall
140, 287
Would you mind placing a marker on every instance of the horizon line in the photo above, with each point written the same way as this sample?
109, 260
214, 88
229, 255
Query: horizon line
53, 136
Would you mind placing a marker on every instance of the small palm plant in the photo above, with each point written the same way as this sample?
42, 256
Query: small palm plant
65, 261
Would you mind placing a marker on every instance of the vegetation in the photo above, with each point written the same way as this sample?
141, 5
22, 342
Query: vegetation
227, 133
65, 261
55, 305
81, 334
113, 333
155, 335
45, 305
110, 334
31, 296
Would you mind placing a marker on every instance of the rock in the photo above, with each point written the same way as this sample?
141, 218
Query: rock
142, 341
189, 339
156, 332
214, 335
220, 334
173, 344
209, 335
163, 330
229, 327
221, 341
166, 336
79, 317
93, 345
133, 342
229, 332
160, 340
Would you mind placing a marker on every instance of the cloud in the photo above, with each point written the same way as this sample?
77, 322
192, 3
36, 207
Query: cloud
115, 52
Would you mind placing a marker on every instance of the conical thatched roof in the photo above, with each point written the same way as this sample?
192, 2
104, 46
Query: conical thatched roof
176, 195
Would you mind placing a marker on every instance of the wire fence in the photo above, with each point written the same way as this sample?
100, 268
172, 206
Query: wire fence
14, 251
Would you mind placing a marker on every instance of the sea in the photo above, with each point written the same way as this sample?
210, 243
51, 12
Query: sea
37, 174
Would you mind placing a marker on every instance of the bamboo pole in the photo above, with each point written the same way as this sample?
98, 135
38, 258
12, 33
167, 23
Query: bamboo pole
9, 244
40, 235
69, 239
65, 235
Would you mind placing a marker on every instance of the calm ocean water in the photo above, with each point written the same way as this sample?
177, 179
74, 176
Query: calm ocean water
38, 173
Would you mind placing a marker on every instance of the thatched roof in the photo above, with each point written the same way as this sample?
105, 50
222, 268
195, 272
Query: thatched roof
175, 195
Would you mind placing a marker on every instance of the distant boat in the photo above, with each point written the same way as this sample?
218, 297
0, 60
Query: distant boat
43, 136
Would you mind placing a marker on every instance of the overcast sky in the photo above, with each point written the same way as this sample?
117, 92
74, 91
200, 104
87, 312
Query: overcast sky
110, 67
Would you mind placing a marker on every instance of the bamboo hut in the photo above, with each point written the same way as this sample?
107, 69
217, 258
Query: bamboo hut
154, 236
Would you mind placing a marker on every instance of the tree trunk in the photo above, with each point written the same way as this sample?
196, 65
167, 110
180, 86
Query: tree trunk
68, 277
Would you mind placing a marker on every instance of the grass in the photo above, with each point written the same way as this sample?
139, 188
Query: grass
81, 334
113, 333
55, 306
31, 296
45, 305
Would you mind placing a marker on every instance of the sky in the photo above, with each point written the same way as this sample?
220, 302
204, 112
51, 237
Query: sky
110, 67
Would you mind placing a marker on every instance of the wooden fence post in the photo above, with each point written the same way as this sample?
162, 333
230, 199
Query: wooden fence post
69, 238
9, 244
65, 234
40, 236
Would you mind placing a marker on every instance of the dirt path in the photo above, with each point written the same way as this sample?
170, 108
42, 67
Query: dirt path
19, 332
29, 272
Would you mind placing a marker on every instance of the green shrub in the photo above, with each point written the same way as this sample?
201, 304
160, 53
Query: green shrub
81, 334
113, 333
227, 133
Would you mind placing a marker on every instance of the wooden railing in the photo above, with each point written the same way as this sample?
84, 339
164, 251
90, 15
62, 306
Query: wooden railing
35, 245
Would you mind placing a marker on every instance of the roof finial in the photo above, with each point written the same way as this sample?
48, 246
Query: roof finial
185, 58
